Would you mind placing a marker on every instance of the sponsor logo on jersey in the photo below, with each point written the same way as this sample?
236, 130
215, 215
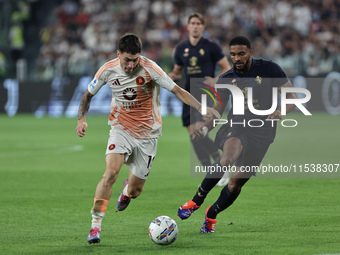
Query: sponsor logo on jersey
112, 146
140, 80
193, 61
116, 82
132, 105
186, 52
202, 52
129, 94
258, 80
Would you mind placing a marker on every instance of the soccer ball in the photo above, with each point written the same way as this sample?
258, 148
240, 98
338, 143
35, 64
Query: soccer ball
163, 230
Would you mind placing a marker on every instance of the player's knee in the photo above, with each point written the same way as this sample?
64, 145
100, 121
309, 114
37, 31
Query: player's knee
234, 187
226, 161
135, 192
110, 176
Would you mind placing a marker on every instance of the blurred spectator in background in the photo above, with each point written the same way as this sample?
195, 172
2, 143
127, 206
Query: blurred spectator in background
16, 37
16, 43
2, 64
292, 33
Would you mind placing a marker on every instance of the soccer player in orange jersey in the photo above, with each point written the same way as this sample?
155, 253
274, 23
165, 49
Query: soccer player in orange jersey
135, 122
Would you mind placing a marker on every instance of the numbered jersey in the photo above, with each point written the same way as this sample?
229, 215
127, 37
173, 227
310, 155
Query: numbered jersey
135, 96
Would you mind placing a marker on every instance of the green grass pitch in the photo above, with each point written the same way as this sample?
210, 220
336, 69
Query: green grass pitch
48, 176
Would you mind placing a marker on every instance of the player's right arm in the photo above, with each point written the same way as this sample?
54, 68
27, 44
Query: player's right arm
83, 109
176, 73
98, 81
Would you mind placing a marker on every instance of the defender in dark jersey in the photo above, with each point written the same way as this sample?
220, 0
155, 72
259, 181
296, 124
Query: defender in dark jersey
198, 57
242, 144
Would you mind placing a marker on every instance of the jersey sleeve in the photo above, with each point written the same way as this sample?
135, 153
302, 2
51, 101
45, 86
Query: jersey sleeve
160, 77
216, 52
98, 81
278, 75
166, 82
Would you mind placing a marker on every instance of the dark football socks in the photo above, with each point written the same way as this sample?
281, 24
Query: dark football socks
210, 180
223, 202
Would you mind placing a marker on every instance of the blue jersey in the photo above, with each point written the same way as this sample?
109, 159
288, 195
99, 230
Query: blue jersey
198, 61
262, 76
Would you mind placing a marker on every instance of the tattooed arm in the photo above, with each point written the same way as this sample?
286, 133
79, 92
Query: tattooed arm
83, 109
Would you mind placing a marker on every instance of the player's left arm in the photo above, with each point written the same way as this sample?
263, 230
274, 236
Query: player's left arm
188, 99
277, 114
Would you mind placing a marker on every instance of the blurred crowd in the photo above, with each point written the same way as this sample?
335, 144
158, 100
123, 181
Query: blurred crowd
303, 36
19, 15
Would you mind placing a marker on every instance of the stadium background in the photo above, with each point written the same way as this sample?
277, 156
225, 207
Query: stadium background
48, 174
47, 47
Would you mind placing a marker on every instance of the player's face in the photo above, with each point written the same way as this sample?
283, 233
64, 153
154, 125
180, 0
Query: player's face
241, 57
128, 61
195, 27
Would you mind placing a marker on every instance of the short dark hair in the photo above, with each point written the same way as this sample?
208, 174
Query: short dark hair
130, 43
197, 15
240, 40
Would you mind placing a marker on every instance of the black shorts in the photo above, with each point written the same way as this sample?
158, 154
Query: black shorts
190, 115
253, 150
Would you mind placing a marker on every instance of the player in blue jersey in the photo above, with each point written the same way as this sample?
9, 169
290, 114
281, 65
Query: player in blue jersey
198, 57
242, 145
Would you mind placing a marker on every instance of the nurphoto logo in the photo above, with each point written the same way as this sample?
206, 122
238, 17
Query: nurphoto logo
240, 102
